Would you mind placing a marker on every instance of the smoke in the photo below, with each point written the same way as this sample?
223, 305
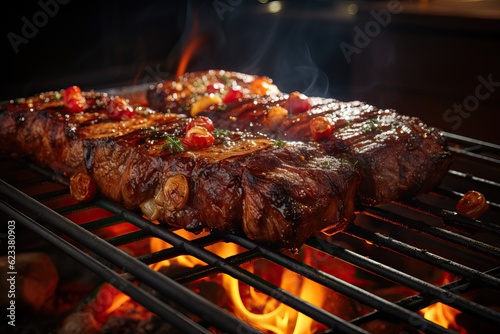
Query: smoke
248, 38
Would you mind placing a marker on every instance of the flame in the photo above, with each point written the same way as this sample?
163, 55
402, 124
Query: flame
184, 260
267, 313
252, 306
443, 314
256, 308
194, 42
193, 45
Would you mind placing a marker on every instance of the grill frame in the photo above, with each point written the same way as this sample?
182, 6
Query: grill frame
49, 224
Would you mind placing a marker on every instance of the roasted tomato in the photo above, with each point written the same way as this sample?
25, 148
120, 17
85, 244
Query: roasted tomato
473, 204
320, 127
73, 99
297, 103
82, 187
202, 121
215, 87
233, 94
275, 117
119, 109
263, 86
198, 137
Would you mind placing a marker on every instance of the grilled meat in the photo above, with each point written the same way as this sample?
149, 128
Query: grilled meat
277, 193
398, 156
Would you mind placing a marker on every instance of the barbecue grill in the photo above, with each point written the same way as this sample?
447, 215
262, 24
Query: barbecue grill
397, 243
396, 240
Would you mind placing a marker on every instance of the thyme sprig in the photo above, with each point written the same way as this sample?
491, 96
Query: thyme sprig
174, 145
219, 133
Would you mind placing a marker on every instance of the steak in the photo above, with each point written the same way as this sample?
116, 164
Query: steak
274, 192
398, 156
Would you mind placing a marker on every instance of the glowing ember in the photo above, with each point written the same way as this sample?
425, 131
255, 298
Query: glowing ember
258, 309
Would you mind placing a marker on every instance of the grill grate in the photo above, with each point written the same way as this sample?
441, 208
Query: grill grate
424, 230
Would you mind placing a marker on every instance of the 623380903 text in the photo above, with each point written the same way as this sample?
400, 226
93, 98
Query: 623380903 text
11, 272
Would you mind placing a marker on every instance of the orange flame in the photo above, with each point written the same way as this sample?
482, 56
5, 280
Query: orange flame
191, 48
194, 43
254, 307
443, 314
250, 305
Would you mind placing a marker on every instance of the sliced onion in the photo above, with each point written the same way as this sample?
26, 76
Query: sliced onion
150, 209
160, 198
176, 191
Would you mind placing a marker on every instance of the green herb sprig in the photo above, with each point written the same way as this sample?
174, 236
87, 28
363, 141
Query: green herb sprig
174, 145
279, 143
372, 125
219, 133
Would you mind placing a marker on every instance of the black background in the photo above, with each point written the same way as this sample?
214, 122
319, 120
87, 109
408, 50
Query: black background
426, 60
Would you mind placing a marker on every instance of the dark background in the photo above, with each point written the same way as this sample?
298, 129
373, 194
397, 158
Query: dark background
427, 59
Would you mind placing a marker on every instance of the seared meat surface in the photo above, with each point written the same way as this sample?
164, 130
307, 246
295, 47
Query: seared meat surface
397, 156
275, 192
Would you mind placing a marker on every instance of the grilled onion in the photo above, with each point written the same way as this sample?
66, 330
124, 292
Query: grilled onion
176, 192
150, 209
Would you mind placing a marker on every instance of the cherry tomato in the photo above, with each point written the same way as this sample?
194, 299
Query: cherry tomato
198, 137
215, 87
119, 109
263, 86
73, 99
297, 103
233, 94
202, 121
473, 204
320, 127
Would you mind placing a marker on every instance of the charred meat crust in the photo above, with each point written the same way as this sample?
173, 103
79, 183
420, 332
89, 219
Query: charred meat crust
398, 156
276, 194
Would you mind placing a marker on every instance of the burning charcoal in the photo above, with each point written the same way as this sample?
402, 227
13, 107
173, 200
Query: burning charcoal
35, 282
79, 323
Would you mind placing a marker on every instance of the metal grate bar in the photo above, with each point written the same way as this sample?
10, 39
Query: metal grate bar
433, 231
204, 271
474, 155
474, 144
100, 223
402, 278
283, 296
453, 193
74, 208
127, 238
418, 302
403, 310
450, 217
152, 303
421, 254
339, 285
177, 292
473, 178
